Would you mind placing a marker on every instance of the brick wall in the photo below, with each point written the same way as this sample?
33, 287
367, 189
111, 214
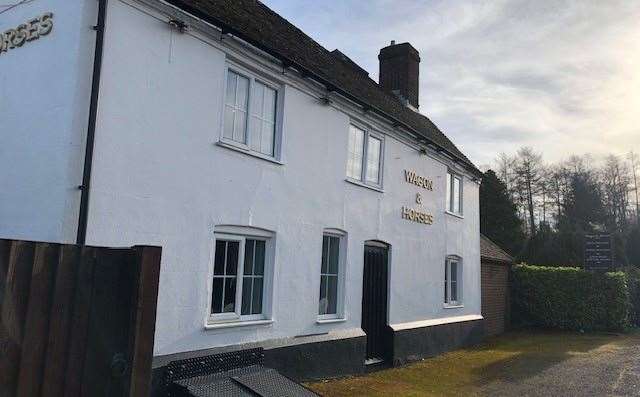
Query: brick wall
495, 297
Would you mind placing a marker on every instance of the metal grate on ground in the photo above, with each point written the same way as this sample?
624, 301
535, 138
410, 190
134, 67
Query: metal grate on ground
233, 374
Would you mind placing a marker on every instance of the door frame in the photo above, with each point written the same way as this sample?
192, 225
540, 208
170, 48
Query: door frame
386, 246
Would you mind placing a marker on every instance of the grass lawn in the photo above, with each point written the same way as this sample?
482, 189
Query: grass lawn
512, 356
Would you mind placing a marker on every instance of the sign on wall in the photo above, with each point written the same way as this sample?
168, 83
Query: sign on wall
26, 32
598, 252
413, 214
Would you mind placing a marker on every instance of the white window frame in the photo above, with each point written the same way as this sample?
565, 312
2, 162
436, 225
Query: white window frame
246, 147
451, 176
447, 280
241, 235
342, 264
365, 152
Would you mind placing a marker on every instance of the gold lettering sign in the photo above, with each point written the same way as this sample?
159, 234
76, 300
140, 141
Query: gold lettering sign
28, 31
418, 180
413, 215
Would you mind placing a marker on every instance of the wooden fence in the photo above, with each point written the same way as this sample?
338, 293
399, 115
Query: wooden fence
76, 320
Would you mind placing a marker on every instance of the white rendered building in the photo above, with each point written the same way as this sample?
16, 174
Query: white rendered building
301, 206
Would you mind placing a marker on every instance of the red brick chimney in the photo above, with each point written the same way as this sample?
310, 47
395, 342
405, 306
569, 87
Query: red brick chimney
399, 71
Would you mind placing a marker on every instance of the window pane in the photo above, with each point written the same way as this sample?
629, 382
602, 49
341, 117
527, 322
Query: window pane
323, 305
334, 253
229, 295
216, 295
248, 257
269, 124
240, 126
255, 134
240, 117
246, 295
456, 195
446, 283
355, 153
325, 254
258, 264
230, 97
373, 160
270, 96
332, 295
232, 257
256, 306
218, 264
454, 271
257, 105
229, 114
263, 118
267, 137
454, 281
449, 207
454, 291
257, 100
242, 94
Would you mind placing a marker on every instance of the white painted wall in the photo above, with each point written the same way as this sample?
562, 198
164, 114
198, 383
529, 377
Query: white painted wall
160, 179
45, 87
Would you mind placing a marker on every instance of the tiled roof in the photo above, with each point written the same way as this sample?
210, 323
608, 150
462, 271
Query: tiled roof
258, 25
492, 252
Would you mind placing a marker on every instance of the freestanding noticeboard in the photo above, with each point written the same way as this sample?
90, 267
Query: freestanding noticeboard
598, 252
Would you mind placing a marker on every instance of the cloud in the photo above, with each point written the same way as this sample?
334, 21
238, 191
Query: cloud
560, 76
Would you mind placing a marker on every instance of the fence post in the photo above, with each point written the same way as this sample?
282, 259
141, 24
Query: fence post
148, 259
34, 342
14, 308
80, 322
60, 323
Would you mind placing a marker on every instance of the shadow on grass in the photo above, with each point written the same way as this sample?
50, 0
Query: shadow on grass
531, 352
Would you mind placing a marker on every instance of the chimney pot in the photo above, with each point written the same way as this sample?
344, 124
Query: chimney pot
399, 71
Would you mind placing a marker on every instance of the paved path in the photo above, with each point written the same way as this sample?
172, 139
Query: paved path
610, 370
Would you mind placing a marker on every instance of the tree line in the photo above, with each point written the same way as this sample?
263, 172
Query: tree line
540, 212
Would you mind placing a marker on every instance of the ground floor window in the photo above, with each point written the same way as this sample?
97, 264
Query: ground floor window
238, 286
331, 272
452, 285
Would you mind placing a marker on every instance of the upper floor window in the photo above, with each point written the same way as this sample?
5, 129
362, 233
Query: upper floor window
365, 155
250, 114
452, 284
454, 193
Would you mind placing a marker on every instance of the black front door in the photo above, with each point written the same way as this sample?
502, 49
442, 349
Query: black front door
374, 302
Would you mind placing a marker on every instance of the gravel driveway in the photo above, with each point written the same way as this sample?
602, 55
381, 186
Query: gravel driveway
610, 370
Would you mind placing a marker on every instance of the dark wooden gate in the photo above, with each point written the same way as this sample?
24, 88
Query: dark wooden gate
374, 302
76, 320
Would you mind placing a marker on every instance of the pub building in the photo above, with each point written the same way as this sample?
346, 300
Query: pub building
303, 208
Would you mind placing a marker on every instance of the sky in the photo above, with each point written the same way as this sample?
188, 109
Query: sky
560, 76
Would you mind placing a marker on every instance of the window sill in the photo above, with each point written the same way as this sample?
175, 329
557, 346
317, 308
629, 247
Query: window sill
331, 320
454, 214
233, 324
249, 152
359, 183
452, 306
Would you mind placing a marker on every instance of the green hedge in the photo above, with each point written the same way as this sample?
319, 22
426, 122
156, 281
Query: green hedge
633, 281
569, 298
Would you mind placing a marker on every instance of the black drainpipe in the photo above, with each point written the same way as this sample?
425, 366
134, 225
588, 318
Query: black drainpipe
91, 130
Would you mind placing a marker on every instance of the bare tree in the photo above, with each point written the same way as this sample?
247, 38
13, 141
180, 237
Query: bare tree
633, 159
615, 180
506, 171
558, 181
529, 177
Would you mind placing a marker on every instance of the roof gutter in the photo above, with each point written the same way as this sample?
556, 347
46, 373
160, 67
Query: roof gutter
225, 28
91, 129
